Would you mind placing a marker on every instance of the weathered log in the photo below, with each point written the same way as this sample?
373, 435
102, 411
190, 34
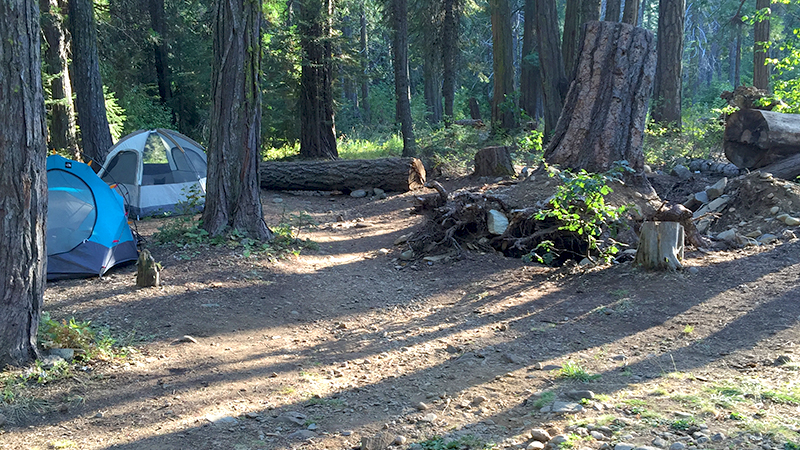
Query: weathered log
754, 138
494, 162
660, 246
389, 174
787, 168
475, 123
604, 113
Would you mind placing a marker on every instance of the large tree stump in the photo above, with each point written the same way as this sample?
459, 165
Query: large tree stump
389, 174
494, 162
660, 246
604, 114
756, 138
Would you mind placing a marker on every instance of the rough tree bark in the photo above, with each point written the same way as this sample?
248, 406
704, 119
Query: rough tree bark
318, 132
86, 82
666, 108
630, 14
402, 86
569, 38
530, 78
554, 79
389, 174
613, 10
503, 113
62, 113
761, 32
604, 114
452, 14
232, 194
23, 183
755, 138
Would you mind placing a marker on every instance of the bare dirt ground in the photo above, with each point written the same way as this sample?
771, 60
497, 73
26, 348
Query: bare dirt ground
324, 349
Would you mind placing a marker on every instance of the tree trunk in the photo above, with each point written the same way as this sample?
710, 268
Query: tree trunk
23, 183
660, 246
604, 114
554, 80
389, 174
761, 32
364, 68
737, 56
613, 10
503, 101
318, 132
569, 39
402, 87
157, 22
232, 194
474, 109
530, 78
432, 62
62, 113
754, 138
630, 14
452, 13
89, 99
666, 108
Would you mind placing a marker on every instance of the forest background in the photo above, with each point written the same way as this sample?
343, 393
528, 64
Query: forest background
156, 72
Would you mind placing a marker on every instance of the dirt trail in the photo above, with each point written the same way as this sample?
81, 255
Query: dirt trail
320, 350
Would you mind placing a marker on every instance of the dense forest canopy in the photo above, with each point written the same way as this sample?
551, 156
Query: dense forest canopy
155, 62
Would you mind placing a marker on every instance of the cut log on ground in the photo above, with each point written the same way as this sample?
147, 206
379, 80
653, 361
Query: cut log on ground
494, 162
755, 138
389, 174
604, 113
787, 168
660, 246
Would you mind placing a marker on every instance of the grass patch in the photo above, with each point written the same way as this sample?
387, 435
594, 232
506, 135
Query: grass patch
332, 402
783, 398
635, 402
683, 424
187, 234
546, 398
468, 442
573, 371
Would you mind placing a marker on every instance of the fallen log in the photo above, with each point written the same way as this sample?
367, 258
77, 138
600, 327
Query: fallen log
389, 174
787, 168
754, 138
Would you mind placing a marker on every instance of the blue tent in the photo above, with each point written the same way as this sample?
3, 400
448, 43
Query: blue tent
87, 228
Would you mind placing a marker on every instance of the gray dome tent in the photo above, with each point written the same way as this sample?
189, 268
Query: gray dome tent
156, 171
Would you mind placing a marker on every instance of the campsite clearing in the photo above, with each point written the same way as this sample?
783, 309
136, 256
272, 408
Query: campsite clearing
327, 348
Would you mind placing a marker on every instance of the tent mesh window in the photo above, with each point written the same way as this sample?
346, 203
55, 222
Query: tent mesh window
121, 169
71, 214
155, 167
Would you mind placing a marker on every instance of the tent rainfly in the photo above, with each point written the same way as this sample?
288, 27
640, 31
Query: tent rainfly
157, 171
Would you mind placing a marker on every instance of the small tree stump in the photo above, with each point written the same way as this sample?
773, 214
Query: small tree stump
494, 162
147, 270
660, 246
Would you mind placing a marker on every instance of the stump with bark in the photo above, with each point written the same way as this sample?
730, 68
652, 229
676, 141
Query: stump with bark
494, 162
755, 138
604, 114
389, 174
660, 246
